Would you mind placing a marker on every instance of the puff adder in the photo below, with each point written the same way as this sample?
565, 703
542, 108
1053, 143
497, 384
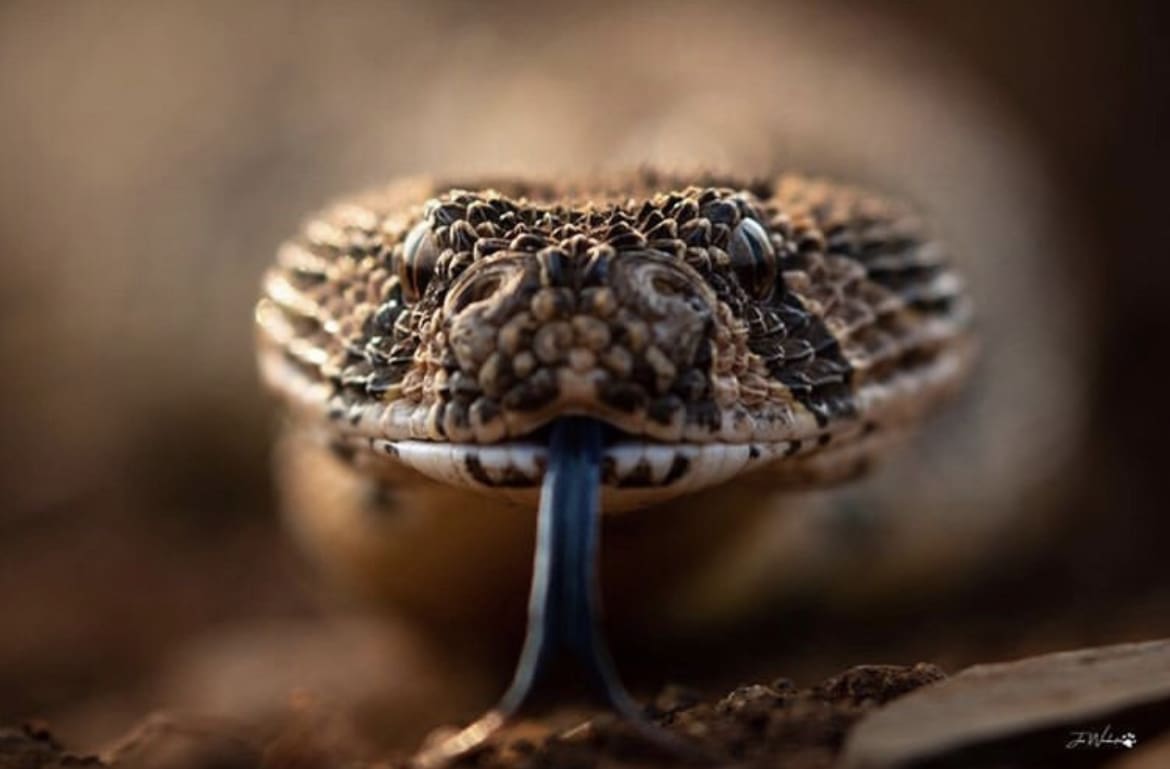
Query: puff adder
705, 327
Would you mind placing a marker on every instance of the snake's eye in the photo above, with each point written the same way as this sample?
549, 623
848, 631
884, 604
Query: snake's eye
419, 255
753, 259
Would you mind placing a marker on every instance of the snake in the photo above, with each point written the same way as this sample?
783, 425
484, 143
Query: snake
594, 347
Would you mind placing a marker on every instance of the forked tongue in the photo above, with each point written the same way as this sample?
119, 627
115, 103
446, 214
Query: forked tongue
564, 606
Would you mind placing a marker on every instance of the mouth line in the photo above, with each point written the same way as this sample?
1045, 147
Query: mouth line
629, 462
611, 436
615, 440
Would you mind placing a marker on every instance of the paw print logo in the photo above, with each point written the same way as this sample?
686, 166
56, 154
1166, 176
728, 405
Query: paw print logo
1129, 739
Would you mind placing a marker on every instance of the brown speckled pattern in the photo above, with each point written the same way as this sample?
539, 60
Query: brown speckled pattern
692, 310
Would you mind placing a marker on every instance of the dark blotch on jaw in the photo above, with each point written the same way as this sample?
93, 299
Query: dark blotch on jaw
639, 477
475, 468
678, 468
515, 479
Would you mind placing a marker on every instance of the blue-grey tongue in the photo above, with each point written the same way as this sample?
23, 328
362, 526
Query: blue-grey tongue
564, 606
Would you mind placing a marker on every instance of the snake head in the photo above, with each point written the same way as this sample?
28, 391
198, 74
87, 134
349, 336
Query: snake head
716, 326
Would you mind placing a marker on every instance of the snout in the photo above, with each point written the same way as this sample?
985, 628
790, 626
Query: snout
522, 338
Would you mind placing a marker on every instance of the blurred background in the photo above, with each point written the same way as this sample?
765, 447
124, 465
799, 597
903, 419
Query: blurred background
153, 155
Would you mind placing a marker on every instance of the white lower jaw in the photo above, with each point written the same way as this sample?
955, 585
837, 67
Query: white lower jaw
634, 474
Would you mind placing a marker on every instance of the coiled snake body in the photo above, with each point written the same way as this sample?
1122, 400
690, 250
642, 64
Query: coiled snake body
434, 335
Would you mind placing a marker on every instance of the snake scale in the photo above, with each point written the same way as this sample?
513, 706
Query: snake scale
435, 335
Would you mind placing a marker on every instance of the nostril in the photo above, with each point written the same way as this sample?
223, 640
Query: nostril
665, 286
484, 288
477, 290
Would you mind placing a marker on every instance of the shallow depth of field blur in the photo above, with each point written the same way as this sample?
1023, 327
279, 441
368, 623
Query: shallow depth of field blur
152, 157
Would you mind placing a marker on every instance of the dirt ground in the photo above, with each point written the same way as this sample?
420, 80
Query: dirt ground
776, 724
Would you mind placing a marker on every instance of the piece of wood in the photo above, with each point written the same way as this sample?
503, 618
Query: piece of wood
1065, 708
